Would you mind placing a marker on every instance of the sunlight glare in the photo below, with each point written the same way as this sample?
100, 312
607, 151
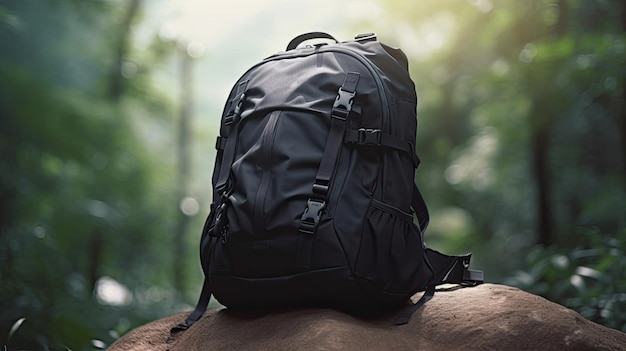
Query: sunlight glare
206, 21
483, 6
195, 49
189, 206
111, 292
429, 37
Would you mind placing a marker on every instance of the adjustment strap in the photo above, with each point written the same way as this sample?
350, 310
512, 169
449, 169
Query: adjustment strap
376, 137
231, 120
339, 115
203, 302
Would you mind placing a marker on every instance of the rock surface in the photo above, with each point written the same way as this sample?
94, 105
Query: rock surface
486, 317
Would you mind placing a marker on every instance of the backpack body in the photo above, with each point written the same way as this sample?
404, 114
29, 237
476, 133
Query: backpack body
314, 201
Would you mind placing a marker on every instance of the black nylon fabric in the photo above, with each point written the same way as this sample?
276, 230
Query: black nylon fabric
364, 252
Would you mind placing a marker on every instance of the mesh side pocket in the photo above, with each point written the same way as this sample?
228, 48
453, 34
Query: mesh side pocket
391, 255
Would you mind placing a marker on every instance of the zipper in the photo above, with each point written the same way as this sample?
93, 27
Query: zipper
265, 162
382, 94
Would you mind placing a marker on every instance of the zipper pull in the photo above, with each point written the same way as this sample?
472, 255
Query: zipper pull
224, 235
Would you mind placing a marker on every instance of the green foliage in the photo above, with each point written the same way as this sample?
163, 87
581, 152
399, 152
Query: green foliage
590, 278
79, 182
520, 102
85, 202
87, 184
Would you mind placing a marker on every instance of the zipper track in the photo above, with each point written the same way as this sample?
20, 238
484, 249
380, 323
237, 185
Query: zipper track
265, 162
382, 93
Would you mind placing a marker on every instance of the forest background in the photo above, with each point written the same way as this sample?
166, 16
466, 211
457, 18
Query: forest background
109, 112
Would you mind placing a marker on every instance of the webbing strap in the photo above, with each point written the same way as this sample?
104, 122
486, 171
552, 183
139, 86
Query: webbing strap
419, 206
405, 315
229, 145
316, 204
376, 137
231, 120
203, 302
339, 115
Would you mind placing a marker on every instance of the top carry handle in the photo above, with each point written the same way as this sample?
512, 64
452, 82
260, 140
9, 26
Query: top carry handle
308, 36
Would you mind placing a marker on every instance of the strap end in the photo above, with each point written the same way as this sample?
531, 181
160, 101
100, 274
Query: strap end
180, 327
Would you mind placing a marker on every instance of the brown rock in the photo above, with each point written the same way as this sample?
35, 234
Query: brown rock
486, 317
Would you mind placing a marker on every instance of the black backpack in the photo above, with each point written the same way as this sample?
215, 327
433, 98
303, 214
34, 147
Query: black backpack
313, 188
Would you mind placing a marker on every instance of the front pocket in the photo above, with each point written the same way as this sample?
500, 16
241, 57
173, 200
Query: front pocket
391, 254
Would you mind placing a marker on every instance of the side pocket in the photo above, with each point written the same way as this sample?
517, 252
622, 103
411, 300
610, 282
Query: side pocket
391, 255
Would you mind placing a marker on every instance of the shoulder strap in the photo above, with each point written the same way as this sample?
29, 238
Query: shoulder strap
405, 315
420, 209
453, 269
445, 268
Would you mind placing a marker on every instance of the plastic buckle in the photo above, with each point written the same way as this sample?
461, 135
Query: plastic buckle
219, 222
237, 110
369, 136
343, 104
311, 216
233, 115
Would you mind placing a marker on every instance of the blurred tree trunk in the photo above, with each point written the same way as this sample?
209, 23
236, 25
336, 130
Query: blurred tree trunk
8, 168
114, 92
184, 168
541, 173
8, 185
544, 114
621, 113
115, 88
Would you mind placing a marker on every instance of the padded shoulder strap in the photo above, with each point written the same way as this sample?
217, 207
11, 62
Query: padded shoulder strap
446, 269
453, 269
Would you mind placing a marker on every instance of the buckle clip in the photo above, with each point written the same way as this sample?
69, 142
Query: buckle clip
343, 104
219, 222
311, 216
235, 110
369, 136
